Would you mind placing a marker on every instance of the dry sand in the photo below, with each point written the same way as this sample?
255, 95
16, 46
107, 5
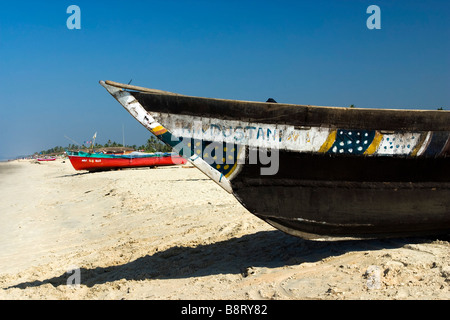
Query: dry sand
170, 233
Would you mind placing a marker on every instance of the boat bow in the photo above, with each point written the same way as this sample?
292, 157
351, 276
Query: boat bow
340, 172
132, 105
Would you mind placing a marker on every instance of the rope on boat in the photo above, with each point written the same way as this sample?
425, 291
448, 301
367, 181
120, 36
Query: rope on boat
137, 88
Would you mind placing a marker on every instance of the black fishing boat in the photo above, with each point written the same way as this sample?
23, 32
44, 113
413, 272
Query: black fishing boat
311, 171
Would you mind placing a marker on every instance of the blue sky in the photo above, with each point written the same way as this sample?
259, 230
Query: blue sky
301, 52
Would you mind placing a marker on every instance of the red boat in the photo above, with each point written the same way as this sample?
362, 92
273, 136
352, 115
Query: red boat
46, 159
99, 162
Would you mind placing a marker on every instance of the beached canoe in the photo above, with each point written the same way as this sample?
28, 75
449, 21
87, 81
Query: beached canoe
46, 159
99, 161
311, 171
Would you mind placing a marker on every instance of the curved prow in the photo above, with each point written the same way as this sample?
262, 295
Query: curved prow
140, 114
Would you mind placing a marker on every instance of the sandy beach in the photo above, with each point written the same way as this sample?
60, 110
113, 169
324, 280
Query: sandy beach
170, 233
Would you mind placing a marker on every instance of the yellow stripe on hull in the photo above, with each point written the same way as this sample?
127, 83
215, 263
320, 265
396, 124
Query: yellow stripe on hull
158, 130
375, 143
329, 142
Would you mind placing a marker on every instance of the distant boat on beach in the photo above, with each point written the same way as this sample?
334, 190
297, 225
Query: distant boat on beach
319, 171
46, 159
100, 161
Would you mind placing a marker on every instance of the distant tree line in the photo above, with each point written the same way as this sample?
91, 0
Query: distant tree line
152, 145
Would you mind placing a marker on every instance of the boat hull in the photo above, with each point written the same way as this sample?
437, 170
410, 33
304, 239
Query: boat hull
339, 172
349, 197
93, 163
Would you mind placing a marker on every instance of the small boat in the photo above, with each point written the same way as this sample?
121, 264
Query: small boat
46, 159
100, 161
311, 171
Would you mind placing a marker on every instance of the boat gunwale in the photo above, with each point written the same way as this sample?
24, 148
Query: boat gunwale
300, 115
163, 93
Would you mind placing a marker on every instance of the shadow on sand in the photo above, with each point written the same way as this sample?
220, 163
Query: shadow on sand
75, 174
266, 249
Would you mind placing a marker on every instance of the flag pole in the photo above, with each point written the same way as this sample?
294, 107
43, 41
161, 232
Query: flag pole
123, 136
93, 140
